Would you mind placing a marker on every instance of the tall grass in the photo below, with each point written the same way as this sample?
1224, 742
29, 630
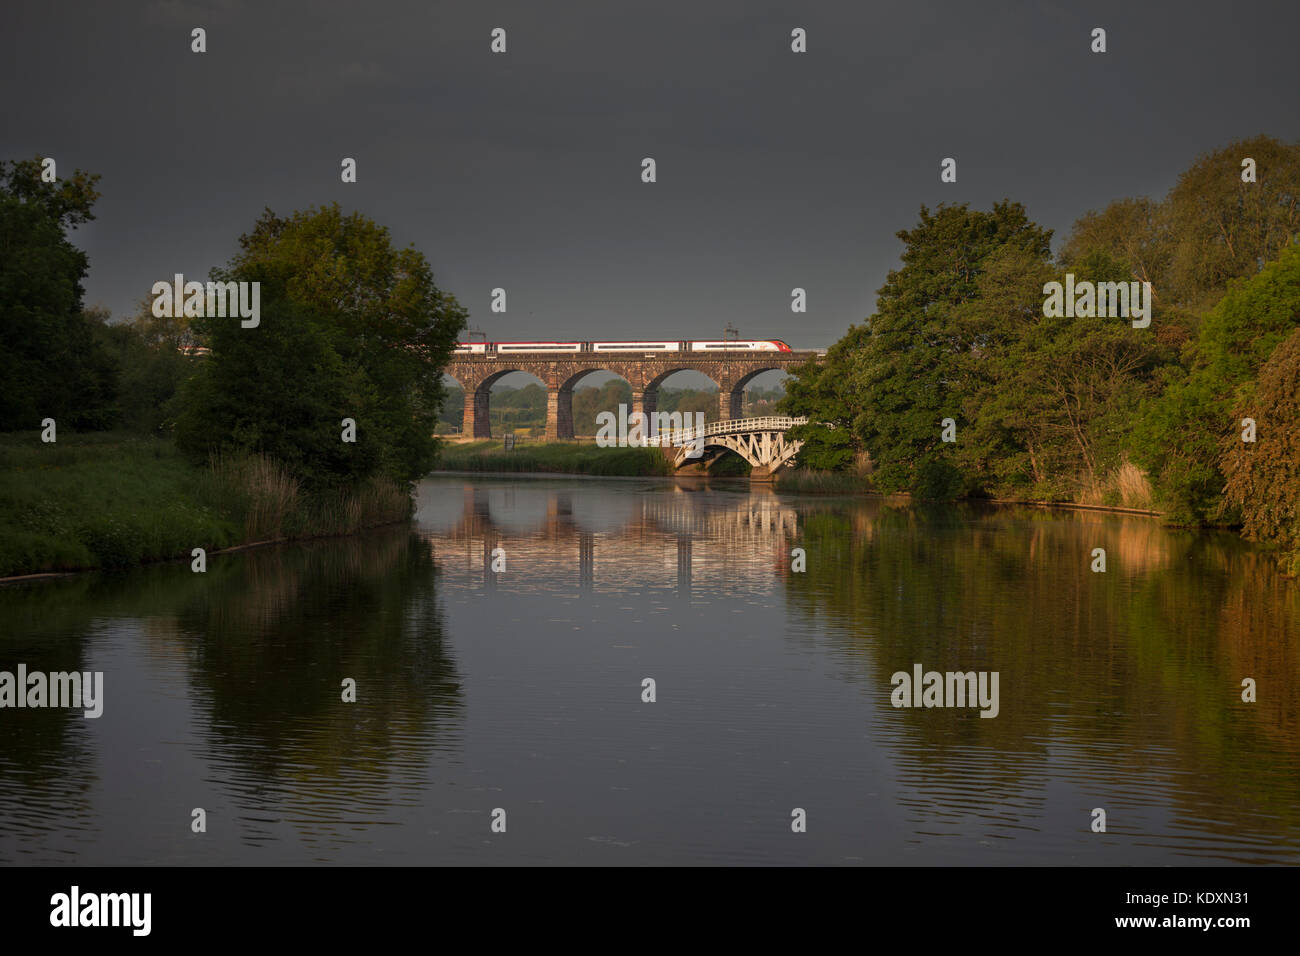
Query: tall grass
375, 502
115, 500
1125, 487
103, 501
272, 505
259, 490
811, 481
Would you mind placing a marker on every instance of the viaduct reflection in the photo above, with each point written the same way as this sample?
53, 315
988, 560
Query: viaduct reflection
558, 538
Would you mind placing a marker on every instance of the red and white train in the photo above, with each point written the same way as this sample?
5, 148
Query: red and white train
695, 345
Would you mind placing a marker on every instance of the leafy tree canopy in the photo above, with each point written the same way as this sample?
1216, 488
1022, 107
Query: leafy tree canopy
351, 327
1181, 431
910, 372
51, 362
1211, 228
1263, 477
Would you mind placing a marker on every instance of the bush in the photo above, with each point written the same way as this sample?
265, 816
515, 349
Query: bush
1263, 477
1182, 432
350, 328
816, 481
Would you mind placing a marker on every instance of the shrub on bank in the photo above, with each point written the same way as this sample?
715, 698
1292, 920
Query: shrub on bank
1263, 476
812, 481
101, 501
113, 500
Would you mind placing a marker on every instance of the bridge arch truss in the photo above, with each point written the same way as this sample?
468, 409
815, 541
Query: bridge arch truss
760, 441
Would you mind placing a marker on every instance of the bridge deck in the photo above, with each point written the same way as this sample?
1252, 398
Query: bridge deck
733, 426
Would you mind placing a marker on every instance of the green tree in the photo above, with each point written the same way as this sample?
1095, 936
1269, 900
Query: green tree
1223, 228
452, 410
1182, 431
283, 393
52, 363
517, 408
910, 373
1210, 229
151, 367
1007, 439
1051, 400
351, 327
820, 391
1262, 478
68, 201
589, 402
689, 401
1131, 230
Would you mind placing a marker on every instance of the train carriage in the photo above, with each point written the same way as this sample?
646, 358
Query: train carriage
511, 348
636, 346
692, 345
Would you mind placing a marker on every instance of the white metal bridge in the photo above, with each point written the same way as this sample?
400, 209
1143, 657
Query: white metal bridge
760, 441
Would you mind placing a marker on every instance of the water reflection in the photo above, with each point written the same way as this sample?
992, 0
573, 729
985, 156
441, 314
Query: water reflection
716, 542
1120, 690
274, 638
478, 689
244, 665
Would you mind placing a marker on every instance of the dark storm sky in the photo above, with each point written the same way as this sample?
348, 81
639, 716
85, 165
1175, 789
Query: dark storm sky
523, 170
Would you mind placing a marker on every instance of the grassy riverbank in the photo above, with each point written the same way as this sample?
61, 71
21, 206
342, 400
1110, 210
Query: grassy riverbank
1127, 489
570, 458
810, 481
113, 500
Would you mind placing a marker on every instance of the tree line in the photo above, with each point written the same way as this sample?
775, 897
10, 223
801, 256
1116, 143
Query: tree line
351, 327
1195, 415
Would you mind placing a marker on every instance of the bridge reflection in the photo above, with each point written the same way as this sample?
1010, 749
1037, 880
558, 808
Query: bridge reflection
560, 538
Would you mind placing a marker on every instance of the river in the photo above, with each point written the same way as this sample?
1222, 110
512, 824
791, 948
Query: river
523, 690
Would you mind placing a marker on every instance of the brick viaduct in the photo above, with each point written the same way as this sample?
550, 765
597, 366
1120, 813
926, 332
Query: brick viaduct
645, 373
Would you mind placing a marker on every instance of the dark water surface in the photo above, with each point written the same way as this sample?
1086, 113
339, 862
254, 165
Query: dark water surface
522, 690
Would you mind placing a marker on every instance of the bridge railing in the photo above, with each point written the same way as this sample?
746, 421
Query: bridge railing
731, 426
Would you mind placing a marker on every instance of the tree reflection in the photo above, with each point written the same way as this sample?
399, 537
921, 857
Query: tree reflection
1123, 681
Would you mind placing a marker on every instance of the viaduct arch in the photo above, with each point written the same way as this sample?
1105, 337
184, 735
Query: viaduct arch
732, 372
